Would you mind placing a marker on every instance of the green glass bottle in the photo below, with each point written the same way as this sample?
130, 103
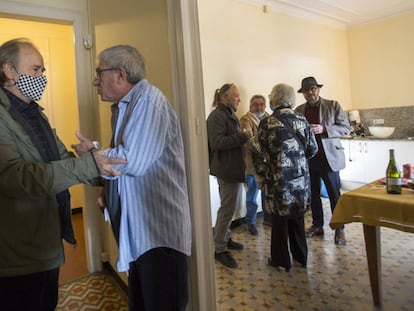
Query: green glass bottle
393, 176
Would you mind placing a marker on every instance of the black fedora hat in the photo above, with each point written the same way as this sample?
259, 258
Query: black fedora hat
307, 83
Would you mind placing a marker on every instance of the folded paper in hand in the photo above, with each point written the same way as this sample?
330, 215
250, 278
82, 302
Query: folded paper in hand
106, 215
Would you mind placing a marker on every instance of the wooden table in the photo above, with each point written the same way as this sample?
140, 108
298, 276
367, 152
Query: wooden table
374, 208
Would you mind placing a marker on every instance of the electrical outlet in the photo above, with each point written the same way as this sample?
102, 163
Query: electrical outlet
377, 121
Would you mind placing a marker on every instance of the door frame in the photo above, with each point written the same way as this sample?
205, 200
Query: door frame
188, 93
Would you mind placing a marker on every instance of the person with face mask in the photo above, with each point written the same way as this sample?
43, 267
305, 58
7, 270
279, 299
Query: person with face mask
36, 172
250, 122
328, 122
225, 144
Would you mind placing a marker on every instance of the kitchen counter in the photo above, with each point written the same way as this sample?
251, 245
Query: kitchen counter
367, 158
370, 137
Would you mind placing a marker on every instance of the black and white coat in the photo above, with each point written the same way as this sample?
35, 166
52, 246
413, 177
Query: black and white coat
282, 162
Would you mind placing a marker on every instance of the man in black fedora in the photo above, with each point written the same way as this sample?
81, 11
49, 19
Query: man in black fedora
328, 122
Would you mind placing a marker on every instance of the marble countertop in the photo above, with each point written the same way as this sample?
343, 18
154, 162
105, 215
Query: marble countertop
370, 137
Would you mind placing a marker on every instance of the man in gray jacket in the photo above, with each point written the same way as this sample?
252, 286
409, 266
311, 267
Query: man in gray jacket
225, 142
328, 122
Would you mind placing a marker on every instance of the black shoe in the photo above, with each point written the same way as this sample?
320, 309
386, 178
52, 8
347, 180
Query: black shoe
314, 231
234, 245
274, 265
252, 229
267, 222
340, 237
226, 259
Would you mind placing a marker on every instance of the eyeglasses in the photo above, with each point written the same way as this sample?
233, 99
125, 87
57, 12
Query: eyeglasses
98, 72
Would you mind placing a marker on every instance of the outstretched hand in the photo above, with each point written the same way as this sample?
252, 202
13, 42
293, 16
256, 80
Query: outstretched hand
84, 146
105, 163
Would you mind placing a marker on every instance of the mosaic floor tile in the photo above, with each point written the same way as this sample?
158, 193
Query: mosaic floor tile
97, 291
336, 277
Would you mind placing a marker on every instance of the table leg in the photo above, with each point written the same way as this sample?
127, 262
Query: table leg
372, 235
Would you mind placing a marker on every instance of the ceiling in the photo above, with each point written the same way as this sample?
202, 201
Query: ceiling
347, 13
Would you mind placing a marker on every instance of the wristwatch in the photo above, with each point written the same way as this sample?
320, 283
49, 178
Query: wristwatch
96, 145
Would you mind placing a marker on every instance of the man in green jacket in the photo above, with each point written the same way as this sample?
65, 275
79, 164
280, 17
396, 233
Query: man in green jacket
36, 171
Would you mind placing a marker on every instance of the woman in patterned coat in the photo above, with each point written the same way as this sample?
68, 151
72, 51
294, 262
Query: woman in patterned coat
284, 145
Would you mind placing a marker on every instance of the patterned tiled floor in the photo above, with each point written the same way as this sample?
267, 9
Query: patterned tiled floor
96, 291
336, 277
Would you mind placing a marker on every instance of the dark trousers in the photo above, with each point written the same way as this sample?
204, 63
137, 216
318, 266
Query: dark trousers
288, 232
158, 281
333, 187
32, 292
266, 215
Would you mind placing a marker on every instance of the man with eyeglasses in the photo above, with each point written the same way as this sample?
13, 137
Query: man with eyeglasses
148, 204
36, 172
328, 122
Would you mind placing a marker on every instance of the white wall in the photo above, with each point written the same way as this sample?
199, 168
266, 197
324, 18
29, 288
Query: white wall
255, 50
382, 62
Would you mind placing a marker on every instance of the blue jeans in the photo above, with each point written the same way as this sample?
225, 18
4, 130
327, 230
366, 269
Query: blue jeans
251, 197
251, 202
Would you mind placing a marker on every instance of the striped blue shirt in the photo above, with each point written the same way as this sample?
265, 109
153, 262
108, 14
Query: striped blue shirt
153, 189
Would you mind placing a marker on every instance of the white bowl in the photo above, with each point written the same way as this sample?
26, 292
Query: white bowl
381, 131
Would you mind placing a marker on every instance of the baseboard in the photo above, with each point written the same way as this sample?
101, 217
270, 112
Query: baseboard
77, 210
124, 287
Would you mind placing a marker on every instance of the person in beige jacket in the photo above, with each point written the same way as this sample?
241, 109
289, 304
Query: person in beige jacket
250, 123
